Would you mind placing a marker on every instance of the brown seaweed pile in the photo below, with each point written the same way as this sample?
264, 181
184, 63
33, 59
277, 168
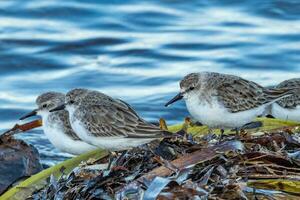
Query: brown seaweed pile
244, 166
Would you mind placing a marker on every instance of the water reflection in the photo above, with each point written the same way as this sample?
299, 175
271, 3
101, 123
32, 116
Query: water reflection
138, 51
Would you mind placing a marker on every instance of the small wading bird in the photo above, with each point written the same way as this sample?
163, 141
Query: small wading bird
287, 108
56, 125
106, 122
225, 101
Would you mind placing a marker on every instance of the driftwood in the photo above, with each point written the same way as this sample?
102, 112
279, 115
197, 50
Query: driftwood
21, 128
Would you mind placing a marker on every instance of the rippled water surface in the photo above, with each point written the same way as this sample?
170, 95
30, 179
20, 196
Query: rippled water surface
138, 50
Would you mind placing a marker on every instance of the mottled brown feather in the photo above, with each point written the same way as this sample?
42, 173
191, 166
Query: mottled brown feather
238, 94
292, 101
107, 117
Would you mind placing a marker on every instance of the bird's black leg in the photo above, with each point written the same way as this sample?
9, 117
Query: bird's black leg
121, 157
111, 156
221, 136
236, 132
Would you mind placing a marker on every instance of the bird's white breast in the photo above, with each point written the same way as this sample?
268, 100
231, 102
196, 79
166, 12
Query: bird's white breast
56, 135
78, 126
215, 115
285, 114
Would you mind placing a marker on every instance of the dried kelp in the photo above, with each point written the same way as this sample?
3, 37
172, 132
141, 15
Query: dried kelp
244, 166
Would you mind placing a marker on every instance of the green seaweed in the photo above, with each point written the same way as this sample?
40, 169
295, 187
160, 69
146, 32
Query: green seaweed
268, 125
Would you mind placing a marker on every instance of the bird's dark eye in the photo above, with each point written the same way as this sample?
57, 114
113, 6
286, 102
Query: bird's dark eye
71, 102
191, 88
45, 105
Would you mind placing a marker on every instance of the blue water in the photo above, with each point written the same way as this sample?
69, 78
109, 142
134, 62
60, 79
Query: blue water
138, 51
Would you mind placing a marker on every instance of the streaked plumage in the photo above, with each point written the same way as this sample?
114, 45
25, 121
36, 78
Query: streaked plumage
57, 127
288, 108
226, 101
106, 122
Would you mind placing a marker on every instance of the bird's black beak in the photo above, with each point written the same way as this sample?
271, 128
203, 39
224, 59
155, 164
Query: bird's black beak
61, 107
176, 98
32, 113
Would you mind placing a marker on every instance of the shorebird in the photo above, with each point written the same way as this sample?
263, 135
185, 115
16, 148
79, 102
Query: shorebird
225, 101
106, 122
56, 125
287, 108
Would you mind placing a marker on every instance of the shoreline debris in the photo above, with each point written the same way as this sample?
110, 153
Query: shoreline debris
245, 166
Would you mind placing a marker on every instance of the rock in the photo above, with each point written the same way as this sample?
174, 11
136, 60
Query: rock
17, 160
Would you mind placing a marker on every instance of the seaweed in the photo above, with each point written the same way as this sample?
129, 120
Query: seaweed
250, 165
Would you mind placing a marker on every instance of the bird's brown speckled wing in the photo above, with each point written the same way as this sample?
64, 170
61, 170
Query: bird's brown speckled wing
292, 101
238, 94
115, 118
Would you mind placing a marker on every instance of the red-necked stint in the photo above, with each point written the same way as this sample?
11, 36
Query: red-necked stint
225, 101
56, 125
106, 122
